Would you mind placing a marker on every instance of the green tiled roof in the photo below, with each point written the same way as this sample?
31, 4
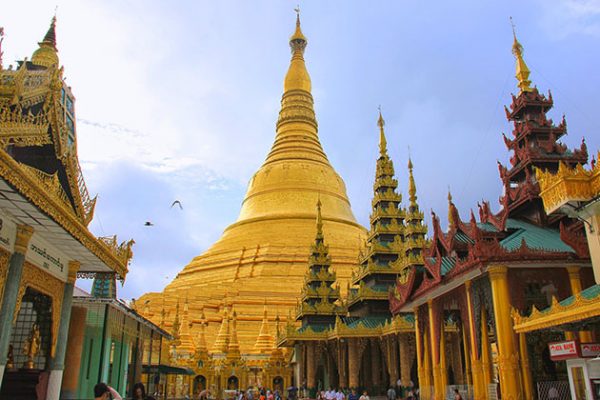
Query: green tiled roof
487, 227
373, 321
590, 293
314, 327
447, 264
536, 237
463, 238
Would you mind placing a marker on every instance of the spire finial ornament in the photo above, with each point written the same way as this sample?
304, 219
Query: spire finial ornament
46, 55
450, 204
382, 140
412, 187
523, 72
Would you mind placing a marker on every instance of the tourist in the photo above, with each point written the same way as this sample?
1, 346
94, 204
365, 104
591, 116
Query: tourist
411, 394
365, 396
104, 392
457, 395
270, 395
353, 395
340, 395
139, 392
391, 393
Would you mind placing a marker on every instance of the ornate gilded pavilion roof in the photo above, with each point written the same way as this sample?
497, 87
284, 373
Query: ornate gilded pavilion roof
574, 311
38, 157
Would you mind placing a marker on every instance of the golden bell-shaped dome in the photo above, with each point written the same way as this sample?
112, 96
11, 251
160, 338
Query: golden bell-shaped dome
47, 54
264, 254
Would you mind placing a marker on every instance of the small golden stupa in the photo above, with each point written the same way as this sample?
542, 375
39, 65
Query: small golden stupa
261, 259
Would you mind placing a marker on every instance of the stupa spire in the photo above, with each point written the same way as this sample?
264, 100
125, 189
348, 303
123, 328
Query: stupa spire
47, 54
186, 343
382, 140
222, 339
201, 346
451, 221
412, 187
264, 341
523, 72
297, 124
233, 350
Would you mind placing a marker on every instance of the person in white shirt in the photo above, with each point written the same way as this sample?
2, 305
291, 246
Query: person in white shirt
103, 392
340, 395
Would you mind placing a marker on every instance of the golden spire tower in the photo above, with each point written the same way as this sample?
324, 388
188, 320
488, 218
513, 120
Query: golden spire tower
523, 72
47, 54
263, 254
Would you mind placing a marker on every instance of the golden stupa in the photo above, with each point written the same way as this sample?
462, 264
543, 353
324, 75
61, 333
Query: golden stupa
262, 257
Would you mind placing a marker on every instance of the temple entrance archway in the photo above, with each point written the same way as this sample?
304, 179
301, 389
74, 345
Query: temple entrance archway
233, 383
199, 383
278, 384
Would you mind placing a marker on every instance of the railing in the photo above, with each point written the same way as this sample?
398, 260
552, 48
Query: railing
554, 390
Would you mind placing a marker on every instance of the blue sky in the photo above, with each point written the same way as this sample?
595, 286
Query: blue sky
178, 100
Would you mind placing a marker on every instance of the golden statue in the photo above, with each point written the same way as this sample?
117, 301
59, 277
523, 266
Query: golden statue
10, 362
31, 347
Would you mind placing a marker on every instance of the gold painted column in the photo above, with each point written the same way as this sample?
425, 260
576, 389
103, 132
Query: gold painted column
575, 281
443, 372
353, 364
310, 367
508, 355
427, 388
486, 359
467, 378
525, 368
420, 354
479, 391
375, 363
435, 353
405, 359
343, 363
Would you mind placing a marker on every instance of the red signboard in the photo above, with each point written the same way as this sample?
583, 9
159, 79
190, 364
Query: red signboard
590, 350
564, 350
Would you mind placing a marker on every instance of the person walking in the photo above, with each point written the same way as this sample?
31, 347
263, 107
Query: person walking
139, 392
104, 392
391, 393
457, 395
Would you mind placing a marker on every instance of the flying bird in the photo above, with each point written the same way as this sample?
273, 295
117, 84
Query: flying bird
178, 203
148, 223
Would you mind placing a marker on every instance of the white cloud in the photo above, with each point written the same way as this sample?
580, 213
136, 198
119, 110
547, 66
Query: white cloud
567, 17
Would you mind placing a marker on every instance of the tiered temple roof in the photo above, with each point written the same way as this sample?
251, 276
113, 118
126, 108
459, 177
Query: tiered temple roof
39, 158
378, 265
319, 299
521, 230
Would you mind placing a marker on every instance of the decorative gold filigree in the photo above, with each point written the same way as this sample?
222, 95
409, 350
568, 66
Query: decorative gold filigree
37, 279
568, 184
29, 187
4, 258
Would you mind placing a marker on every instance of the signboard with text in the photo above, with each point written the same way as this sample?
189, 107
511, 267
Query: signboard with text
590, 350
564, 350
47, 257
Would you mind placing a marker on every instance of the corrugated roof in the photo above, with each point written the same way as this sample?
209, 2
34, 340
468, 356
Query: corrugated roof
536, 237
463, 238
447, 264
487, 227
372, 321
590, 293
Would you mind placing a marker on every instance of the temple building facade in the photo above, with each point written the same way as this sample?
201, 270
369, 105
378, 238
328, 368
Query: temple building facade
45, 209
482, 275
